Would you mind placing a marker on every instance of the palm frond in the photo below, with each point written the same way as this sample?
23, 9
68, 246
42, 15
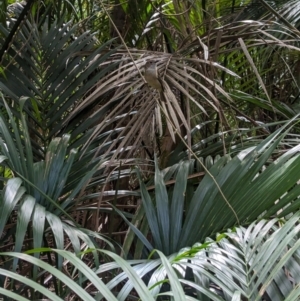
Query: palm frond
217, 203
54, 79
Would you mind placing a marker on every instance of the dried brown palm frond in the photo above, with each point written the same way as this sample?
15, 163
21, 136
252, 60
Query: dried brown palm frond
138, 107
80, 88
193, 79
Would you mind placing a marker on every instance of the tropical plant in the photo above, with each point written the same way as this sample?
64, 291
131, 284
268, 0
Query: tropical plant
200, 175
260, 261
216, 204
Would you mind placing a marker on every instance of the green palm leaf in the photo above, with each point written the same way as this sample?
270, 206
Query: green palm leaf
267, 188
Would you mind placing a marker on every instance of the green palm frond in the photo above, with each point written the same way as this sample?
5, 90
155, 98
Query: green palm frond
46, 213
54, 79
254, 262
219, 202
261, 259
75, 286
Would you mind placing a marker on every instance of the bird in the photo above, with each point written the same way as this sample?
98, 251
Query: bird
151, 75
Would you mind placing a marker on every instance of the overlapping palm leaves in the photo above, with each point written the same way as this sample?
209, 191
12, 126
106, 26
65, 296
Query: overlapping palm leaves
180, 217
42, 195
217, 204
254, 262
66, 76
73, 84
55, 79
59, 81
41, 85
195, 86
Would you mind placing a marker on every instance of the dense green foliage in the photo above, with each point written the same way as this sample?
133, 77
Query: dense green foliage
113, 190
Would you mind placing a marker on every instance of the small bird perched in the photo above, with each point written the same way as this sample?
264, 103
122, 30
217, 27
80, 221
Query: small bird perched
168, 102
152, 77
